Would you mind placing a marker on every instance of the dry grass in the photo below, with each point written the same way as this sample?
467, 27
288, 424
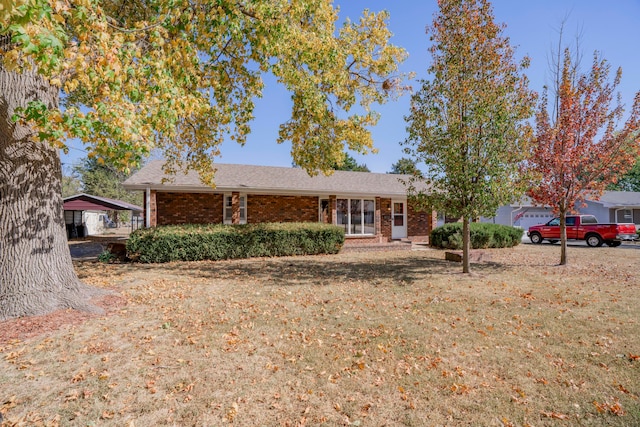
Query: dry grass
370, 339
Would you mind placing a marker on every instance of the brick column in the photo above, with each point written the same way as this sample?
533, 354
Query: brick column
235, 208
434, 221
153, 209
378, 219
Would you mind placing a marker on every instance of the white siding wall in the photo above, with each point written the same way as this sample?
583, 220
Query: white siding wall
527, 216
596, 209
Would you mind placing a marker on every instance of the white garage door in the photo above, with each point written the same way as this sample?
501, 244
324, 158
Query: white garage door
534, 217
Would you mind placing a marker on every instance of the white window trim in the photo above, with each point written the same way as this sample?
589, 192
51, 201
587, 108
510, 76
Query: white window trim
224, 208
362, 200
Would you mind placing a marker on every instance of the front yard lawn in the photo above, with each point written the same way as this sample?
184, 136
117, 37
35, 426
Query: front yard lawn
370, 339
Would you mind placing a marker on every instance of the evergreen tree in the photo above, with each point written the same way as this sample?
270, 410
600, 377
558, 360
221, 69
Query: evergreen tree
406, 166
350, 164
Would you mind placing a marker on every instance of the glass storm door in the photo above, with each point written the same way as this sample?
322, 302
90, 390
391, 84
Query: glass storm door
398, 219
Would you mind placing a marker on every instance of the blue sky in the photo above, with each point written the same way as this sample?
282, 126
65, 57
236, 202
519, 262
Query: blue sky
610, 26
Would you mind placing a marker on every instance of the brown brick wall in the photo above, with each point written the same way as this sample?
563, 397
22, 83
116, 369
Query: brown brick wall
188, 208
153, 208
204, 208
385, 223
357, 240
282, 208
420, 223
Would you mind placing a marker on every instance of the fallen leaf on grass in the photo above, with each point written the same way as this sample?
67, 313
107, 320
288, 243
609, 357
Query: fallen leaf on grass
72, 395
626, 391
9, 403
80, 376
614, 408
15, 354
506, 423
232, 412
555, 415
460, 389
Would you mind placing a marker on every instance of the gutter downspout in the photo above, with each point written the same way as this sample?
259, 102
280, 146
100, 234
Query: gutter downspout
147, 208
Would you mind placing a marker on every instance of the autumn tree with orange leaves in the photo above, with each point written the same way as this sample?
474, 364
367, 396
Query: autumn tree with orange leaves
468, 124
580, 147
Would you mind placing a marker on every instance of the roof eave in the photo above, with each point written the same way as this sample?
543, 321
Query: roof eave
260, 191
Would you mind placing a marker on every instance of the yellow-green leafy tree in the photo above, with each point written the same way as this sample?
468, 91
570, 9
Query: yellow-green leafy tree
128, 76
468, 123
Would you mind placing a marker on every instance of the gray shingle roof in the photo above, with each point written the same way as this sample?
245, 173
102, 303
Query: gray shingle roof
620, 199
271, 180
610, 199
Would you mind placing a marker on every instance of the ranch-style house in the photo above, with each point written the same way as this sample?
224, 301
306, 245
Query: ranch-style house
372, 207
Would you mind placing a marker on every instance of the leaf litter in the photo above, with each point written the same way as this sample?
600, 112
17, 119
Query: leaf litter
353, 339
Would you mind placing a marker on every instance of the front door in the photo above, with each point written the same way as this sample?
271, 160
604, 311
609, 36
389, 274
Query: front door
398, 219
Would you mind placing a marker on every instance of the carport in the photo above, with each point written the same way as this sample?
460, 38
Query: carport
76, 206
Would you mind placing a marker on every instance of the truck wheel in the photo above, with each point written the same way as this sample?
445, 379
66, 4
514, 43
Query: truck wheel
536, 238
594, 240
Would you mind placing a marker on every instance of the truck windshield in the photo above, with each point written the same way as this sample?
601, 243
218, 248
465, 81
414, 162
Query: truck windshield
554, 222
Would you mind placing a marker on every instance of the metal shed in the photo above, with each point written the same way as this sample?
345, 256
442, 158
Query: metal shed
77, 207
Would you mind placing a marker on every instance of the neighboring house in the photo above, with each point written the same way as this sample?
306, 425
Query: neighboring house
613, 206
84, 214
372, 207
523, 215
616, 206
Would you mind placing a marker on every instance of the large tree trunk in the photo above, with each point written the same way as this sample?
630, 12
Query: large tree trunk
36, 272
466, 246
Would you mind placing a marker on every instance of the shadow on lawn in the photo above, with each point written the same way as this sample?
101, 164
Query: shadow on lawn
321, 270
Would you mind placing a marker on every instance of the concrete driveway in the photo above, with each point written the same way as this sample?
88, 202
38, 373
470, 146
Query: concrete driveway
582, 243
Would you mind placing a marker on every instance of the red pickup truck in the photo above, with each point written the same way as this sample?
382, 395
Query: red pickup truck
584, 227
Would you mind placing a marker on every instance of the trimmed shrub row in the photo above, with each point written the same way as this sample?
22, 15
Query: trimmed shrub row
483, 235
218, 241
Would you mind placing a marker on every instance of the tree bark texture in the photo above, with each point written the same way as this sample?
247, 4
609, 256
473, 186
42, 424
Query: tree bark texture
36, 271
466, 246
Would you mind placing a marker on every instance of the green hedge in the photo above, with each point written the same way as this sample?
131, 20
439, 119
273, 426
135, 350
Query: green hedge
218, 241
483, 235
